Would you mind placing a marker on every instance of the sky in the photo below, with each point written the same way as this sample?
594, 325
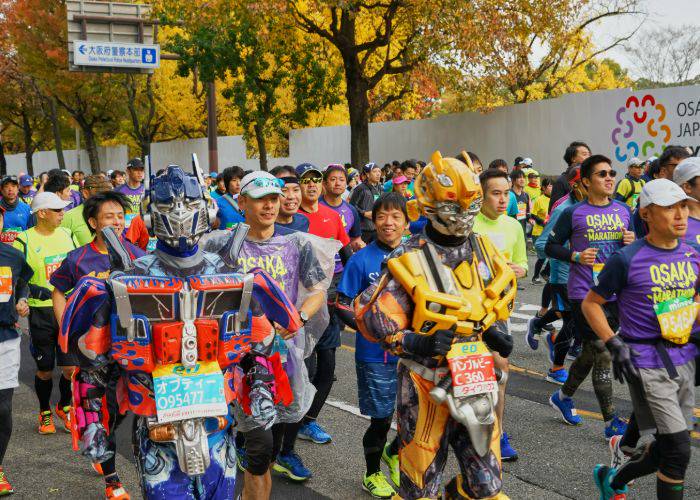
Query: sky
660, 13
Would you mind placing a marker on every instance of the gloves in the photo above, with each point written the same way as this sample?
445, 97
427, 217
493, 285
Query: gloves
498, 341
622, 366
437, 344
262, 405
93, 443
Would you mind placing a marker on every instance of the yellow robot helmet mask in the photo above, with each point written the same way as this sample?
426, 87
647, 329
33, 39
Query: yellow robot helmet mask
448, 193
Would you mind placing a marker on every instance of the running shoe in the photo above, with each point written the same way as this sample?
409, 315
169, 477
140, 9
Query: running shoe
566, 408
532, 333
549, 328
617, 456
508, 454
602, 475
574, 351
392, 461
557, 376
550, 346
241, 458
5, 486
314, 432
97, 467
115, 491
46, 423
64, 415
616, 427
537, 281
377, 486
292, 466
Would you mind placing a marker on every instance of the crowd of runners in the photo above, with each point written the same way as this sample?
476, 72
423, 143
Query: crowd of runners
422, 259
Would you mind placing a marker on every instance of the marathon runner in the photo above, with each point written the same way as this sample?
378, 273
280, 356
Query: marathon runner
17, 214
594, 228
655, 281
133, 188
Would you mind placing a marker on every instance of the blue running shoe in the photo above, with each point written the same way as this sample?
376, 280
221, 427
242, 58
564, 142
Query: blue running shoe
314, 432
602, 475
292, 466
557, 376
566, 408
616, 427
508, 454
532, 333
550, 346
241, 459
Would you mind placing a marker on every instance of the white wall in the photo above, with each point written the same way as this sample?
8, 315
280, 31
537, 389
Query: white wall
110, 158
540, 130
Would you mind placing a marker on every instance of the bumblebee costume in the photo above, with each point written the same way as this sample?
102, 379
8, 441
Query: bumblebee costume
444, 288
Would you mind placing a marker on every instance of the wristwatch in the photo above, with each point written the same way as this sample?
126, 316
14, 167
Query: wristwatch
304, 317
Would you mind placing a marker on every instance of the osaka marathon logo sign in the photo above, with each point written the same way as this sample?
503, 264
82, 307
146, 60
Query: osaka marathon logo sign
641, 128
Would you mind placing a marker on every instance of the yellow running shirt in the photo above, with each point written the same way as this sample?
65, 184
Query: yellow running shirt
506, 234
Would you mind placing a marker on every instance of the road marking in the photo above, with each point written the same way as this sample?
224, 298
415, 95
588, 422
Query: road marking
342, 405
529, 307
521, 316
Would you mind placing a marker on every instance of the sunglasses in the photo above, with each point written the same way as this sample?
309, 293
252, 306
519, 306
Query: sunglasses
54, 210
606, 173
264, 182
309, 180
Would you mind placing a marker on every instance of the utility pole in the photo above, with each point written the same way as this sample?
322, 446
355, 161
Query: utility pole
212, 132
77, 148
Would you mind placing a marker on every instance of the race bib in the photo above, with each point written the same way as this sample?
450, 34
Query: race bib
676, 318
183, 393
52, 263
9, 234
597, 268
127, 219
522, 210
5, 284
472, 369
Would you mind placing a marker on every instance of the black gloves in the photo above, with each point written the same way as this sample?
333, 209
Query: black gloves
622, 366
497, 341
437, 344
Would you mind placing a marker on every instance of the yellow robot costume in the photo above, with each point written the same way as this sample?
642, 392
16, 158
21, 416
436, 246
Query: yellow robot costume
435, 308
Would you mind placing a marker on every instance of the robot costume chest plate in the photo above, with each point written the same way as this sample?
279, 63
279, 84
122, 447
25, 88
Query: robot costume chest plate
165, 320
468, 299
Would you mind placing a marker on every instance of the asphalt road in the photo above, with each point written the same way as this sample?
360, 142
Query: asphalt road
555, 459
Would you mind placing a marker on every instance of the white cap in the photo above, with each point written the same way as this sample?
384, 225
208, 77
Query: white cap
49, 201
527, 161
686, 170
661, 192
634, 161
260, 183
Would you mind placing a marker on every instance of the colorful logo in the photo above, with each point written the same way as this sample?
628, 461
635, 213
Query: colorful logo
640, 131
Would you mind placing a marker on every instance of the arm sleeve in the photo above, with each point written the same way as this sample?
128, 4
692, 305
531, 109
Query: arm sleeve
613, 277
559, 235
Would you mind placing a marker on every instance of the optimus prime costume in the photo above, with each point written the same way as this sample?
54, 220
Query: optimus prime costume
180, 327
435, 308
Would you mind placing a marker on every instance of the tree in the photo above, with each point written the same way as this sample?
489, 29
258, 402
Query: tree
521, 50
667, 56
272, 77
376, 40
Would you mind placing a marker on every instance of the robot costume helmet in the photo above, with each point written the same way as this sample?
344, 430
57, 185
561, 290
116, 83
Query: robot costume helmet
448, 193
177, 209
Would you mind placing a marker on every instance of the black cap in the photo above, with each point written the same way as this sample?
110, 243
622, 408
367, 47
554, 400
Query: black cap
135, 163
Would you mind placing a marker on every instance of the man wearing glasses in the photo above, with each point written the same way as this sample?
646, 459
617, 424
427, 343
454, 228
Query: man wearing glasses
629, 188
18, 215
44, 247
364, 196
594, 229
326, 223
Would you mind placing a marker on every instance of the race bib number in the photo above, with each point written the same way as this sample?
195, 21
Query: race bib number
52, 263
127, 219
676, 318
597, 268
9, 234
183, 393
522, 210
5, 284
472, 369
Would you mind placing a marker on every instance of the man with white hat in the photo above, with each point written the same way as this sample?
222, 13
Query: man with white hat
655, 282
44, 246
628, 189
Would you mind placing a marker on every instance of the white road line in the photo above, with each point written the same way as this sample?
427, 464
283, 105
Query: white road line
346, 407
529, 307
521, 316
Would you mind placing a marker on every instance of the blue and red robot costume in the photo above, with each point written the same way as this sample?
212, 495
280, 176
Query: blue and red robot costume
180, 328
